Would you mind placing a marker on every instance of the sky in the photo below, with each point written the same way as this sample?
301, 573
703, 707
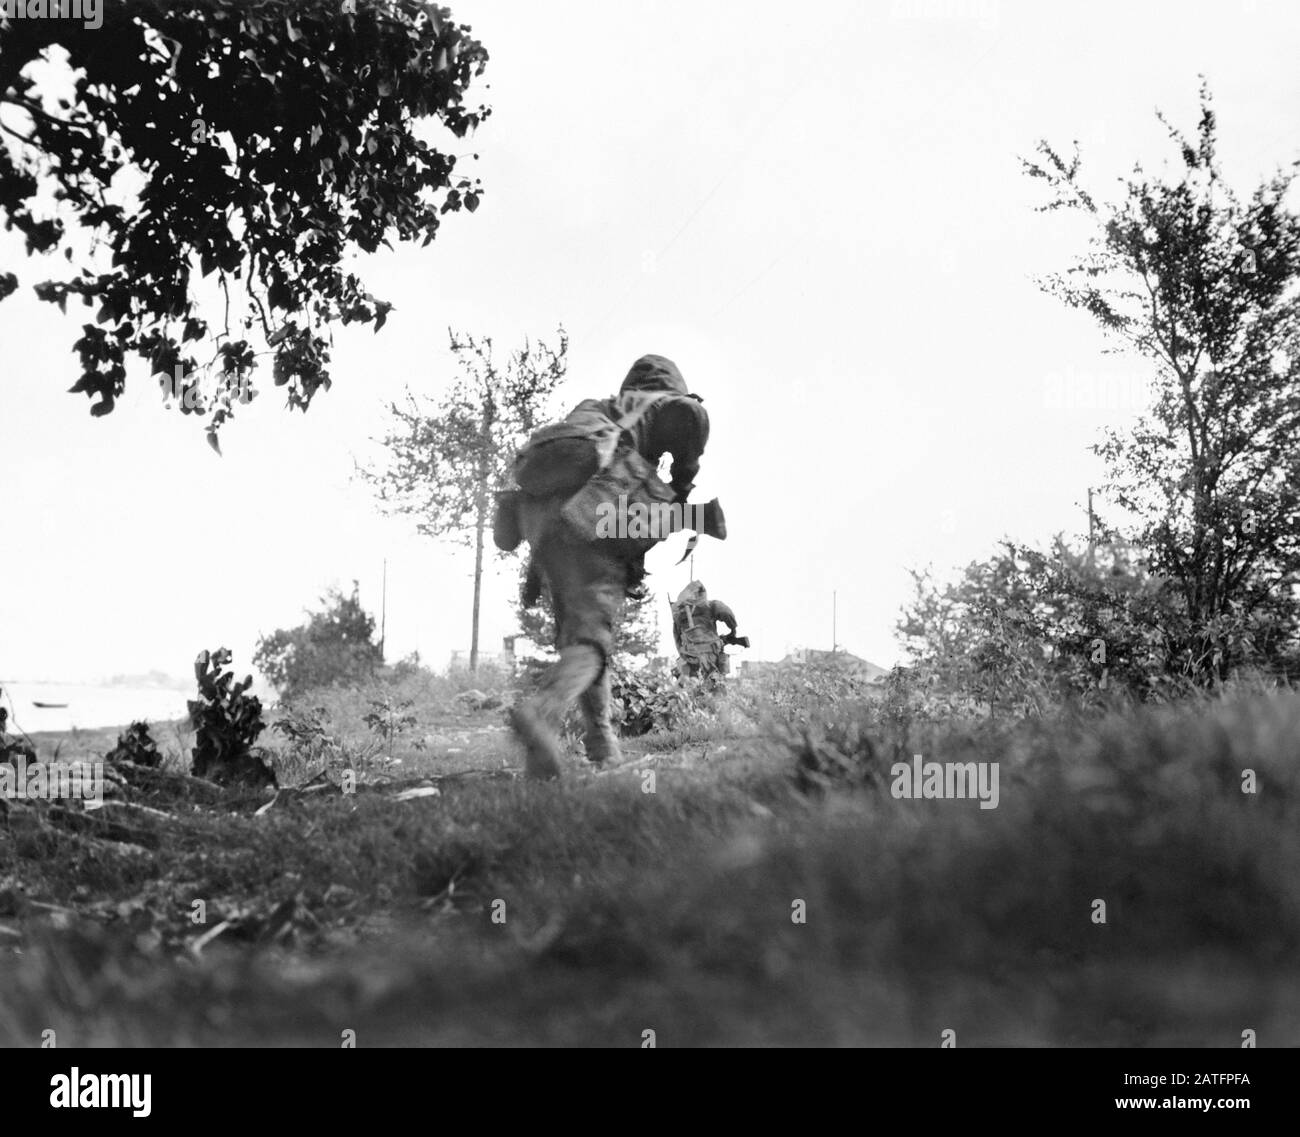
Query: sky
818, 213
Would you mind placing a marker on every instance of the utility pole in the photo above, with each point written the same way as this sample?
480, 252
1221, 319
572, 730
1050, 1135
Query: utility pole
383, 612
1092, 544
834, 619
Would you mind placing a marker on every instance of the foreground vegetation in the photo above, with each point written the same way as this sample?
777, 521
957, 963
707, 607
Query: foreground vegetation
496, 911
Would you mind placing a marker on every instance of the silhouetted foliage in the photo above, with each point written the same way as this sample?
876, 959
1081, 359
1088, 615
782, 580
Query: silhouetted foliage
227, 721
257, 142
1206, 287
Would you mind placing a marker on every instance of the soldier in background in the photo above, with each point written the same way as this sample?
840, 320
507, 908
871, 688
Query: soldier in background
701, 651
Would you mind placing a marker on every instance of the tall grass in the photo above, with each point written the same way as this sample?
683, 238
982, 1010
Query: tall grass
674, 910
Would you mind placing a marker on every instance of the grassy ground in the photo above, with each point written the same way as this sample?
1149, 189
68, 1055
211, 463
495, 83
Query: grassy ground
589, 912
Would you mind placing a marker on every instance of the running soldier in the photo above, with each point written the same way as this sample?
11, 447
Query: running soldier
700, 650
605, 453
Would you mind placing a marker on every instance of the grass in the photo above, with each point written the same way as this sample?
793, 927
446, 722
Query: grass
619, 911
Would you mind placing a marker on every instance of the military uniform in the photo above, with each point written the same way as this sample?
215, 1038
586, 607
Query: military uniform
700, 649
587, 580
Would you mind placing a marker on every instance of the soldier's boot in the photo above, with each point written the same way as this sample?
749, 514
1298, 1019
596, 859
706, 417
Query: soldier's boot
600, 738
536, 721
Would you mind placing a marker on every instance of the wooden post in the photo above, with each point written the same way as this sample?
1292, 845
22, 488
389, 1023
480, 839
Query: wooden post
1092, 545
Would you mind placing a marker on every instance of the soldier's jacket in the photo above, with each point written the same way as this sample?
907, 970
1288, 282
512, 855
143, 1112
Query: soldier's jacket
695, 620
605, 455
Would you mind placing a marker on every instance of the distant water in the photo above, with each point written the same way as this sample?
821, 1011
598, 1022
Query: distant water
88, 705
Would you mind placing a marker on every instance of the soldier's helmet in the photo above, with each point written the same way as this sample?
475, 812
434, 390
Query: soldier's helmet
693, 594
654, 373
681, 418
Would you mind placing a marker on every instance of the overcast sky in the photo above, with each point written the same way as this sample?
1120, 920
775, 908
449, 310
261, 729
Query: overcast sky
819, 216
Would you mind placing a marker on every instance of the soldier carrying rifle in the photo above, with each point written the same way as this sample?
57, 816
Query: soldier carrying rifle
700, 649
604, 455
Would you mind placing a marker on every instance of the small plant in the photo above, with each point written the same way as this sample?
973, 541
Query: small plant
310, 746
387, 720
227, 721
649, 700
305, 733
135, 745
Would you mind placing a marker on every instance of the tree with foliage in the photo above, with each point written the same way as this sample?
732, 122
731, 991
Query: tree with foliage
444, 463
259, 143
335, 645
1206, 287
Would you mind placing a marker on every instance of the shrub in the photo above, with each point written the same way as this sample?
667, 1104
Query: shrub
333, 646
1025, 631
135, 745
653, 699
227, 721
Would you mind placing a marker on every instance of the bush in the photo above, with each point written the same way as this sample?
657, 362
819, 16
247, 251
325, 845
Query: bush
1025, 632
650, 699
135, 745
226, 721
333, 646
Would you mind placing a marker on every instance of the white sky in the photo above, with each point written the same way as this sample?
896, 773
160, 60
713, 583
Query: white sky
819, 216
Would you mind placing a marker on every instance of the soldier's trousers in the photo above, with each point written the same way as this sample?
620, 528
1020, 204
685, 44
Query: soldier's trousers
587, 588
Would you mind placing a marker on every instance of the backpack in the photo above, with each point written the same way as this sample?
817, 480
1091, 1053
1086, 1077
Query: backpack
563, 457
629, 481
694, 627
590, 460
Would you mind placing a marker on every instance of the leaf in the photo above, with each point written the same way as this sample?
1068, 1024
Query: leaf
214, 442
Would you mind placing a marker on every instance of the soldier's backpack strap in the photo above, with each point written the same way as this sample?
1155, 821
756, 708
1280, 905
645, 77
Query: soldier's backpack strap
635, 404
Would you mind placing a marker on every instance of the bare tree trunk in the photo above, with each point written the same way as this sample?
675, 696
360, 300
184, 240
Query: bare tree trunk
478, 581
